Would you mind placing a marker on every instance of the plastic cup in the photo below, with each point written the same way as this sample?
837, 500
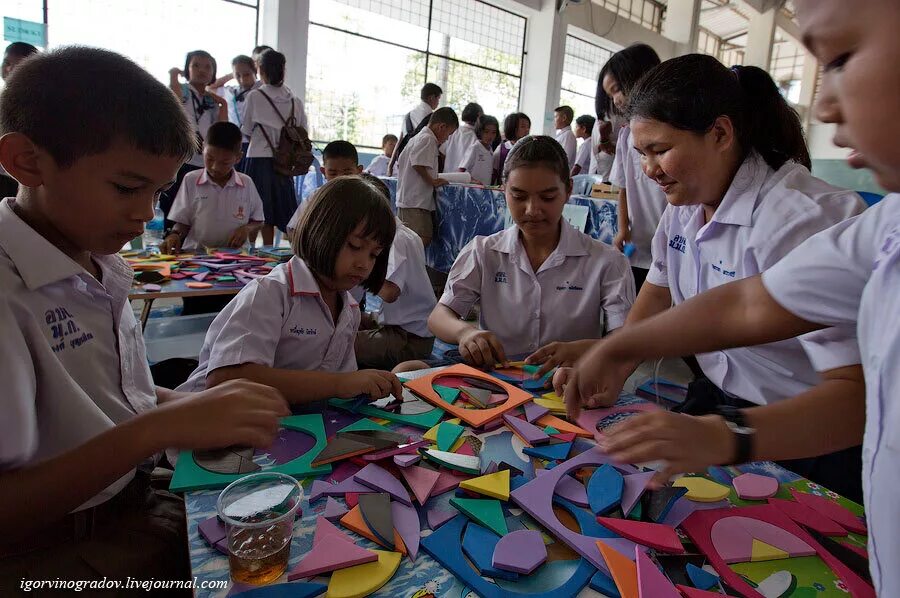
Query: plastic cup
259, 512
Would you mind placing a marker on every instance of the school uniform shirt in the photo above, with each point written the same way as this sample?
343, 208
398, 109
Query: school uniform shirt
579, 287
762, 217
379, 165
259, 115
479, 162
498, 156
412, 190
566, 139
74, 364
214, 212
456, 146
280, 321
406, 269
236, 99
583, 157
201, 113
421, 111
849, 275
646, 200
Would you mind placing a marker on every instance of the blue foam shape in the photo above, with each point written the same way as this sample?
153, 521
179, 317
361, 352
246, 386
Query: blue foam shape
294, 589
604, 489
603, 583
550, 452
516, 482
701, 578
478, 544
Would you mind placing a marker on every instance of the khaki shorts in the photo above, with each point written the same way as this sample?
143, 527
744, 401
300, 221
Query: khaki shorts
385, 346
421, 222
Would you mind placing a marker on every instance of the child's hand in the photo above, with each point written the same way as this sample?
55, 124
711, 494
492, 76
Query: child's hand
560, 379
171, 245
238, 236
554, 354
596, 380
175, 71
481, 348
375, 383
236, 412
439, 182
622, 237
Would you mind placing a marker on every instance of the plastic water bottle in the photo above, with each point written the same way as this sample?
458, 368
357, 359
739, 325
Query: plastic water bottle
153, 230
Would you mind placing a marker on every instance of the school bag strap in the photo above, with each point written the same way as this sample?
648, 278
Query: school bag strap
293, 154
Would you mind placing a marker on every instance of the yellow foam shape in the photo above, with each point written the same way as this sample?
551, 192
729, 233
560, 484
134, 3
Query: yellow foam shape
432, 433
760, 551
456, 445
553, 406
702, 490
495, 485
552, 396
365, 579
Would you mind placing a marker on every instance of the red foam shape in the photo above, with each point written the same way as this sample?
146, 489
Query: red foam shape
832, 510
808, 517
654, 535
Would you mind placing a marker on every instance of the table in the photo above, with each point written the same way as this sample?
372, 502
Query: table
172, 289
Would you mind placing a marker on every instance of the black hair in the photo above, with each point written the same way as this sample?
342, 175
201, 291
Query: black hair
97, 97
539, 150
199, 54
567, 112
334, 211
224, 135
271, 64
245, 60
511, 123
690, 92
471, 113
387, 138
20, 50
626, 67
429, 90
445, 116
377, 183
260, 49
483, 122
340, 149
587, 121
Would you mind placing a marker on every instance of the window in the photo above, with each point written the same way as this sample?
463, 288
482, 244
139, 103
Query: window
368, 60
786, 66
582, 64
648, 13
713, 45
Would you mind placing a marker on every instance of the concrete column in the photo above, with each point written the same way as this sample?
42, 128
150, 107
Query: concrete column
284, 25
682, 22
760, 36
545, 47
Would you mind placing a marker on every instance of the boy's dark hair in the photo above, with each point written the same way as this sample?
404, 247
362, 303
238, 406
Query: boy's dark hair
378, 183
586, 121
334, 211
271, 64
511, 123
471, 113
388, 138
245, 60
626, 67
200, 54
96, 97
429, 90
224, 135
340, 149
690, 92
539, 150
445, 116
567, 112
19, 50
486, 120
260, 49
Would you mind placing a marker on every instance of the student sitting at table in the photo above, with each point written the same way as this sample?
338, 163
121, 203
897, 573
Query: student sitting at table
546, 289
216, 206
82, 419
295, 328
584, 124
379, 164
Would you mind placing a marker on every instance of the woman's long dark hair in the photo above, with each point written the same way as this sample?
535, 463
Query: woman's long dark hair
626, 67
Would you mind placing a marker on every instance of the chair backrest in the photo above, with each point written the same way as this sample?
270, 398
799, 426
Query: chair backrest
870, 198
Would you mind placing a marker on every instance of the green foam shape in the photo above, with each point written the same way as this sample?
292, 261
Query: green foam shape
424, 421
447, 435
448, 394
484, 511
549, 430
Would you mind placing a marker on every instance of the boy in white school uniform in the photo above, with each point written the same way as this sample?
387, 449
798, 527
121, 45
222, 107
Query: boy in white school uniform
584, 124
417, 171
562, 122
80, 420
458, 144
216, 206
379, 164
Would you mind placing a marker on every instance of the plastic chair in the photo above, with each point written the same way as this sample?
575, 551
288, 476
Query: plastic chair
870, 198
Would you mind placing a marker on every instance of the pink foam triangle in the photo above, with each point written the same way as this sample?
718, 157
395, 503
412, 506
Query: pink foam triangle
325, 528
465, 449
533, 411
832, 510
632, 489
654, 535
437, 517
448, 481
421, 481
334, 509
651, 582
330, 554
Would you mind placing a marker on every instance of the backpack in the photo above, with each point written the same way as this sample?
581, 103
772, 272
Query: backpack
406, 139
293, 155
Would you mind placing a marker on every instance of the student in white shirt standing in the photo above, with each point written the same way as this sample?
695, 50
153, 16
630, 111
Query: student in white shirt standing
379, 164
515, 126
458, 143
14, 53
584, 124
730, 156
430, 98
243, 72
478, 160
562, 122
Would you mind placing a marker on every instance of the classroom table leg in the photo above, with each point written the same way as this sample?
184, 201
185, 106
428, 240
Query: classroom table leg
145, 313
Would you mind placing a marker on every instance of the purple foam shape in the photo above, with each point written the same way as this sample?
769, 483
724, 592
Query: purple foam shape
521, 551
533, 411
222, 546
199, 277
350, 485
570, 489
212, 530
633, 488
334, 509
289, 445
438, 517
492, 425
683, 507
152, 287
406, 460
406, 524
319, 489
376, 477
491, 468
528, 432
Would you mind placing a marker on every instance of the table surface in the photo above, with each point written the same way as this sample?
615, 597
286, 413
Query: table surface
426, 578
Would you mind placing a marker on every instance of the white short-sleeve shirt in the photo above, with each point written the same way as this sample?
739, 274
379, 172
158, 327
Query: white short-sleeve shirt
850, 275
579, 287
566, 139
583, 156
457, 145
762, 217
214, 212
479, 162
406, 269
201, 113
259, 115
646, 200
499, 160
280, 321
74, 364
379, 165
412, 190
236, 99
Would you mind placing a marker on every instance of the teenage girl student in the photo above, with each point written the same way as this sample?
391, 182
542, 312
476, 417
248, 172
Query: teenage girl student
295, 328
243, 72
729, 154
265, 113
515, 126
202, 107
544, 286
478, 159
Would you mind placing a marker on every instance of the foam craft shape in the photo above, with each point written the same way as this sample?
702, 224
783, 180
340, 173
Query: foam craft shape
444, 546
752, 486
591, 418
550, 431
761, 551
334, 509
533, 411
423, 420
701, 489
464, 463
682, 508
348, 486
733, 538
701, 578
330, 554
354, 521
495, 485
521, 551
529, 433
855, 557
651, 581
778, 584
406, 522
325, 528
565, 437
551, 452
572, 490
406, 460
698, 527
654, 535
808, 517
551, 406
478, 544
483, 511
198, 285
297, 589
477, 396
318, 490
474, 417
362, 580
604, 584
632, 489
190, 476
376, 512
341, 448
448, 394
690, 592
563, 426
463, 448
447, 435
604, 489
448, 481
379, 479
622, 570
438, 517
421, 481
832, 510
661, 501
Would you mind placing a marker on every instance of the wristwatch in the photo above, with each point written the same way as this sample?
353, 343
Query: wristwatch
743, 434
